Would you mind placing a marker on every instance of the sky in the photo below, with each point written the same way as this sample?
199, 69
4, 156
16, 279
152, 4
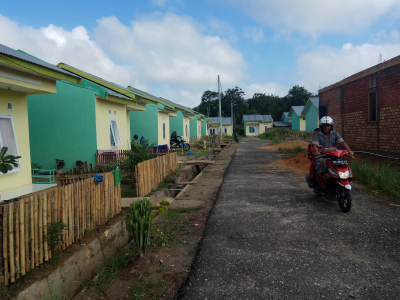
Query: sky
176, 48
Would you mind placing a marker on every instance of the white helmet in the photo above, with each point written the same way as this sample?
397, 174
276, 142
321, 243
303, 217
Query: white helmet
326, 121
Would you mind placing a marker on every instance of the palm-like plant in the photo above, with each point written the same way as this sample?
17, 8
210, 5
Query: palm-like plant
7, 161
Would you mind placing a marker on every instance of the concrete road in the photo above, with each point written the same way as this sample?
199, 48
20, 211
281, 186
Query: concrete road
269, 237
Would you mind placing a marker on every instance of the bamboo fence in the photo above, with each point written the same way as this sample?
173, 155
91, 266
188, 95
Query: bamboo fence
24, 223
151, 172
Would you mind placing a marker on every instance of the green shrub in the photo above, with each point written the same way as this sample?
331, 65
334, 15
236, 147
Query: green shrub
384, 178
275, 140
139, 224
294, 150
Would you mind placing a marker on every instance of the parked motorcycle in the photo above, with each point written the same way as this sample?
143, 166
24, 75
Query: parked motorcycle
236, 137
336, 180
176, 143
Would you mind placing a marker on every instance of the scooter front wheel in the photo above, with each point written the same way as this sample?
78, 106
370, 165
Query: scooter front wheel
186, 147
345, 199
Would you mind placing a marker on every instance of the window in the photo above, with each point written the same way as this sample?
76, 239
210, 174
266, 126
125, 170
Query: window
115, 112
323, 111
115, 139
186, 130
372, 107
163, 129
8, 138
109, 112
225, 130
251, 129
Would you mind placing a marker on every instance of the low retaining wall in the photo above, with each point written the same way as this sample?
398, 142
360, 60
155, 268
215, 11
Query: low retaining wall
69, 278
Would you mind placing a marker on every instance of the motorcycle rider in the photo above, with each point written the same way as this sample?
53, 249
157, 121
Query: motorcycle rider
326, 139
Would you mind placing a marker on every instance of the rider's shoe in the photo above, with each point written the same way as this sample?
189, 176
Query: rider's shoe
309, 182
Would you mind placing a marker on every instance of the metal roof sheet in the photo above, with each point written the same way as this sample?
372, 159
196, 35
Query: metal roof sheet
311, 101
315, 101
225, 121
259, 118
297, 110
29, 58
281, 124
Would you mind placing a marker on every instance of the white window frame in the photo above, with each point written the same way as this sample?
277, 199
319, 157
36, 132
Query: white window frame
10, 116
112, 130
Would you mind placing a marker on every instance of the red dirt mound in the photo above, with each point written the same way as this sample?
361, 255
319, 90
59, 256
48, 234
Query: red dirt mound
300, 162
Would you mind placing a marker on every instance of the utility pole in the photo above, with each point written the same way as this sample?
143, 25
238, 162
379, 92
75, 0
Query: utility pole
232, 114
220, 114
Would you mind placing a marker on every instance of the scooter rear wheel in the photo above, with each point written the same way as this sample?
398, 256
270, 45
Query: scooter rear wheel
345, 201
186, 147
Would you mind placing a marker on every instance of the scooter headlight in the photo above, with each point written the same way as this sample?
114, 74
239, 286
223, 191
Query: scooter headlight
344, 175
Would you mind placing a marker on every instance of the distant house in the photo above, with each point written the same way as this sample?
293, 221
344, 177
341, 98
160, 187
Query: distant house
226, 126
286, 118
256, 124
22, 75
311, 113
366, 107
298, 120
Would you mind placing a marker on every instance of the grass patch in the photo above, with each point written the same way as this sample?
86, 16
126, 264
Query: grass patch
263, 137
294, 150
173, 214
181, 227
142, 289
8, 292
275, 140
127, 191
382, 178
108, 272
188, 209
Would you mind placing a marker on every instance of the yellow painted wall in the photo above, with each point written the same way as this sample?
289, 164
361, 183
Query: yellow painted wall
46, 85
216, 126
20, 115
103, 124
163, 118
251, 124
261, 126
186, 122
302, 124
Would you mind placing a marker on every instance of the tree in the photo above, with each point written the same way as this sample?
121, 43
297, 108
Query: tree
209, 96
298, 95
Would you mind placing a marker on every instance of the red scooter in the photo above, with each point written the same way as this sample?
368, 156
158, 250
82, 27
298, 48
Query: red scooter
336, 180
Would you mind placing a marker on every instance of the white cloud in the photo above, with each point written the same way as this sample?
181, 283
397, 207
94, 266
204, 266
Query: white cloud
326, 65
161, 54
256, 34
171, 50
221, 28
384, 37
159, 3
314, 17
54, 45
266, 88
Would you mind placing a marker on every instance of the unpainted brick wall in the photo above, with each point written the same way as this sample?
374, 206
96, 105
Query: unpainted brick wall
352, 98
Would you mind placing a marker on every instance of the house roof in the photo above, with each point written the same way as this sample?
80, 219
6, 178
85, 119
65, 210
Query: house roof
281, 124
258, 118
102, 82
225, 121
286, 114
31, 59
297, 110
311, 101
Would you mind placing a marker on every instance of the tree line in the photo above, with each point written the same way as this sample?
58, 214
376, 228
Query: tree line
260, 103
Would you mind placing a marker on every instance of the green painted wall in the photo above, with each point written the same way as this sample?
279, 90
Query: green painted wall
284, 119
204, 129
245, 133
145, 123
63, 125
295, 121
176, 124
312, 120
193, 126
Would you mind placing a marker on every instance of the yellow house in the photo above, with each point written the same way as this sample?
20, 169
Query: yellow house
22, 75
214, 127
256, 124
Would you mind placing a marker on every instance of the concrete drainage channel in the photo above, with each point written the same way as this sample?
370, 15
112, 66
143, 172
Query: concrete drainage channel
70, 278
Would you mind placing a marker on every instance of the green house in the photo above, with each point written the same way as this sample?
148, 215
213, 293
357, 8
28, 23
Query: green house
286, 118
79, 120
298, 120
311, 113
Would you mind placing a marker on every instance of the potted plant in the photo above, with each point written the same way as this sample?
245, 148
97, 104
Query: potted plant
177, 175
60, 165
7, 161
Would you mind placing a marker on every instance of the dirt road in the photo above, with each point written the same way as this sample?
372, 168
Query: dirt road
269, 237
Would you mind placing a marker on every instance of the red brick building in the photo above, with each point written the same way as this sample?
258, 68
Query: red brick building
366, 107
